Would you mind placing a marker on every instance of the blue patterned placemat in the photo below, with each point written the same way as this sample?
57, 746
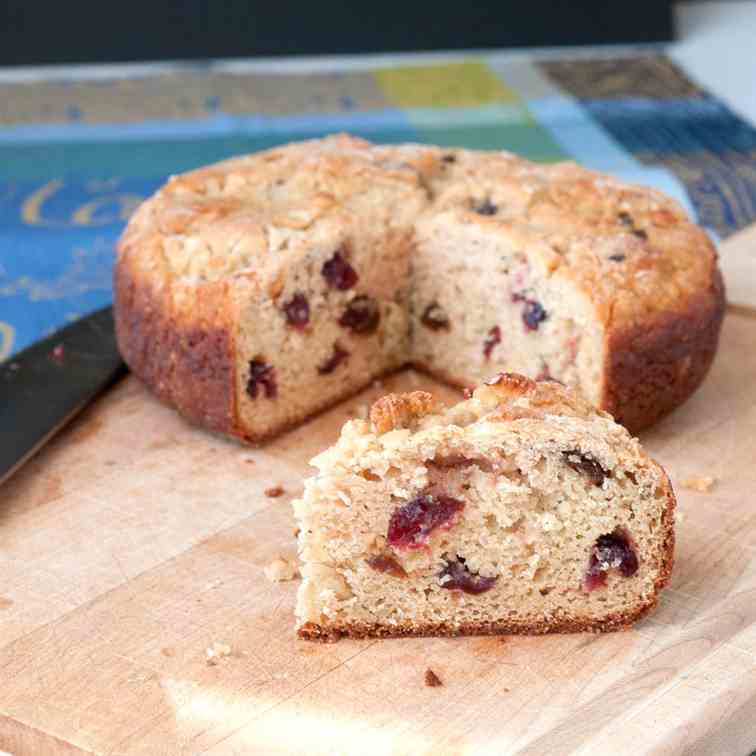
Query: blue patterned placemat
78, 156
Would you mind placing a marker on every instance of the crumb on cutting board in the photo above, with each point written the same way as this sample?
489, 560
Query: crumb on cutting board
700, 483
281, 570
275, 491
217, 651
432, 680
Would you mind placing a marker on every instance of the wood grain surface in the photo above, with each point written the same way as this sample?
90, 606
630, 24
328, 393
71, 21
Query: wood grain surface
135, 542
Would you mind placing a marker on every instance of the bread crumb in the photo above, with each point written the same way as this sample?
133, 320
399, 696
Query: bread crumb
217, 651
432, 680
275, 491
344, 498
281, 569
701, 483
167, 651
249, 461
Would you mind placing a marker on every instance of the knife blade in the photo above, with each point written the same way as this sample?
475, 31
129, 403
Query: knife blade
43, 387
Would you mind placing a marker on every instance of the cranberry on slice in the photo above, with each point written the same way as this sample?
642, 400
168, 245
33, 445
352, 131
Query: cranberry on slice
297, 311
595, 577
457, 577
486, 207
338, 273
386, 563
361, 315
493, 338
533, 315
585, 465
612, 551
261, 374
410, 526
435, 317
338, 356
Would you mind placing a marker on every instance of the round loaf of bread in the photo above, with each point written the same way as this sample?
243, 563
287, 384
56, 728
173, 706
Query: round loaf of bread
255, 292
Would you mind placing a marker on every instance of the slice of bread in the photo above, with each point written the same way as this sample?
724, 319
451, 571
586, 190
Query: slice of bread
519, 510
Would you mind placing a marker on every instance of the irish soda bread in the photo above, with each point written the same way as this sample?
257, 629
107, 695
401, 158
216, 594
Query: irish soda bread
519, 510
252, 293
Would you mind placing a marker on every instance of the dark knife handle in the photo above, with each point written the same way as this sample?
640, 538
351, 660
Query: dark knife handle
48, 383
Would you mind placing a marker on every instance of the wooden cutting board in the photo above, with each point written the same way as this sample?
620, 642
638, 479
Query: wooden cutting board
135, 542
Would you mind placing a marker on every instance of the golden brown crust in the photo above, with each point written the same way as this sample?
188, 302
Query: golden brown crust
400, 410
518, 396
668, 528
190, 367
506, 396
614, 622
653, 367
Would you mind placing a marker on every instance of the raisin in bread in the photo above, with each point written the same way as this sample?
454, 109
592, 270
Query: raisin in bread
519, 510
252, 293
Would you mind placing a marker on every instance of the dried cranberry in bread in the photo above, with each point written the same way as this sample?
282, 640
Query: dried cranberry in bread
252, 293
519, 510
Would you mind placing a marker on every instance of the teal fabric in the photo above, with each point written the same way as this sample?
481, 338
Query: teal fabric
67, 186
